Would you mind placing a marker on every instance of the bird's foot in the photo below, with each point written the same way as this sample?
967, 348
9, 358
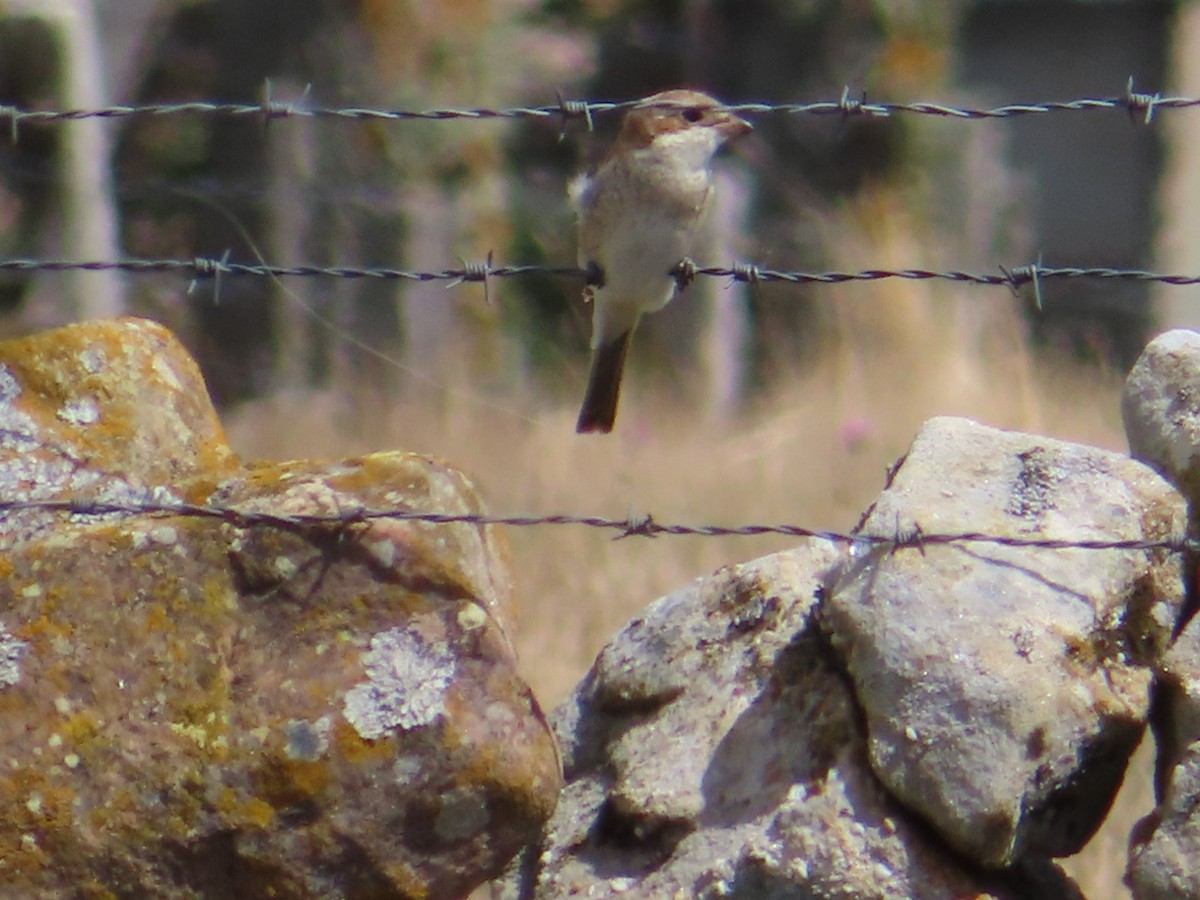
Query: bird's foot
593, 274
684, 273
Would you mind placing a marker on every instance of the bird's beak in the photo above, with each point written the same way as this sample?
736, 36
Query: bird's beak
734, 126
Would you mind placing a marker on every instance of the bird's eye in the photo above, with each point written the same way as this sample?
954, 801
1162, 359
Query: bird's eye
693, 114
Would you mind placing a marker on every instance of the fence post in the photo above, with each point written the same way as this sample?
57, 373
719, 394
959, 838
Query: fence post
88, 218
1177, 249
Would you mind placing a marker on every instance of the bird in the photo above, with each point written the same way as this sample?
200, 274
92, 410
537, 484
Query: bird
637, 218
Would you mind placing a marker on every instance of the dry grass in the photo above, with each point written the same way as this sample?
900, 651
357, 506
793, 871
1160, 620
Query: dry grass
814, 453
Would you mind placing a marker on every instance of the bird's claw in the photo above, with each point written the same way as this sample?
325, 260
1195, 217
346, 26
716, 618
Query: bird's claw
684, 274
593, 274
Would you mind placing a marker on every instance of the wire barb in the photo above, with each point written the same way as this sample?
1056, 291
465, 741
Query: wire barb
852, 106
272, 109
907, 535
573, 109
747, 273
1017, 277
638, 526
13, 114
1143, 104
206, 267
476, 271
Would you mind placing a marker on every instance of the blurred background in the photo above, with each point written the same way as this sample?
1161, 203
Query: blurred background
776, 403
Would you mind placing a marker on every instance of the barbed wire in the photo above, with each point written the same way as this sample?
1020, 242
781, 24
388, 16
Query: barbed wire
210, 267
1138, 105
910, 536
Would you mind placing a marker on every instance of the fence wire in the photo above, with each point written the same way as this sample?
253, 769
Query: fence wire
212, 268
1138, 105
906, 536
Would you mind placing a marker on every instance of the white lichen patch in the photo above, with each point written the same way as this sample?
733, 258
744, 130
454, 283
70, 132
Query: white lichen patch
10, 388
163, 534
93, 359
405, 687
85, 411
11, 653
17, 427
116, 490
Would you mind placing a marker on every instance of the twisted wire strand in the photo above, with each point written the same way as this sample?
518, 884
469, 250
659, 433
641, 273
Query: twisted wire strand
1136, 104
632, 526
208, 267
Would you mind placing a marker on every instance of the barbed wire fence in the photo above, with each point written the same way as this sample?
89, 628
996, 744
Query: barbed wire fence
211, 267
1140, 107
910, 536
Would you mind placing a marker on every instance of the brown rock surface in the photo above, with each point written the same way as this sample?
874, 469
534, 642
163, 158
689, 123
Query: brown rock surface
200, 706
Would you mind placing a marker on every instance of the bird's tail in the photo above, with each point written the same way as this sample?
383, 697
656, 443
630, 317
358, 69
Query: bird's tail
599, 409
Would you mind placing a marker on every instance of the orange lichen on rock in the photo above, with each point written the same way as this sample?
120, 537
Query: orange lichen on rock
201, 706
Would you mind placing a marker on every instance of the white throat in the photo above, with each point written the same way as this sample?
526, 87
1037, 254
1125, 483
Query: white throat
691, 148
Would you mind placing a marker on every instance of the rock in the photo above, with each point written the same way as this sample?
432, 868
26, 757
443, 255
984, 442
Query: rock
227, 706
1177, 704
1161, 408
715, 750
1004, 687
111, 412
1165, 845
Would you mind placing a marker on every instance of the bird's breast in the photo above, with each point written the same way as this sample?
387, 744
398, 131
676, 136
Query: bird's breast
637, 223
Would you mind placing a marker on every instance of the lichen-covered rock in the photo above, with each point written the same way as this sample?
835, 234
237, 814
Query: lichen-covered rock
112, 412
714, 750
1004, 687
202, 707
1160, 405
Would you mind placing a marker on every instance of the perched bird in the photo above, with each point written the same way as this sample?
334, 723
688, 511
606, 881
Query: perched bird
637, 218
